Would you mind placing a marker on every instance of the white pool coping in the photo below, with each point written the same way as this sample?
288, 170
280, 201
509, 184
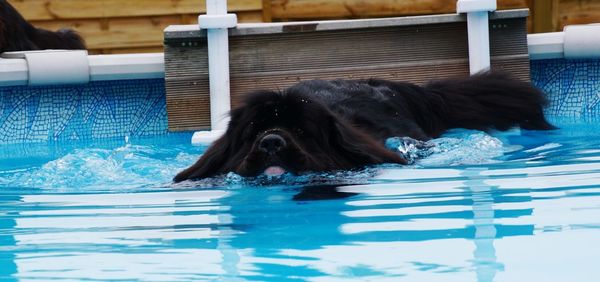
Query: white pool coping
151, 65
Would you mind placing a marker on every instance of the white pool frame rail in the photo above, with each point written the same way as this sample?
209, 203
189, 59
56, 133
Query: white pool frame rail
15, 68
478, 31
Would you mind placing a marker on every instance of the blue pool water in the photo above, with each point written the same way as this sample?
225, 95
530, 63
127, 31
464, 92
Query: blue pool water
516, 206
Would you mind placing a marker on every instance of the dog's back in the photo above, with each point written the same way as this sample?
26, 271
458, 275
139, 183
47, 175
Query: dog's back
488, 100
387, 108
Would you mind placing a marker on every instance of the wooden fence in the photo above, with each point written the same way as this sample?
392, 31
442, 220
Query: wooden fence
126, 26
553, 15
336, 9
547, 15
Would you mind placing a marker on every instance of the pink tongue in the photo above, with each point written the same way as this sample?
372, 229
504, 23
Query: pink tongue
274, 171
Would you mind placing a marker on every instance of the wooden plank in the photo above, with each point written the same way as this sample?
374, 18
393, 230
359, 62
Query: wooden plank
187, 90
266, 8
320, 9
83, 9
544, 15
117, 32
573, 18
153, 49
330, 9
577, 12
131, 32
247, 17
567, 6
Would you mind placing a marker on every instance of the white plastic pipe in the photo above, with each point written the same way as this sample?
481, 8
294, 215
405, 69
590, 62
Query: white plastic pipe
217, 21
48, 67
478, 29
546, 45
216, 7
582, 41
479, 41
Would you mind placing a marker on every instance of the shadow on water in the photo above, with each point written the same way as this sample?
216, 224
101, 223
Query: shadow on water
321, 192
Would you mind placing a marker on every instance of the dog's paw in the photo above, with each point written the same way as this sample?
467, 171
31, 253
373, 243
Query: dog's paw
409, 148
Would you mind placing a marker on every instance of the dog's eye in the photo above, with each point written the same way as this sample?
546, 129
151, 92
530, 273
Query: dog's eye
248, 131
299, 131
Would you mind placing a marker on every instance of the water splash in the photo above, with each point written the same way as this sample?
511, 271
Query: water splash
459, 147
464, 148
146, 167
123, 168
410, 149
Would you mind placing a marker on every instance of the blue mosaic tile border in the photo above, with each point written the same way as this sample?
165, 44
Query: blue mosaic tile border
106, 109
115, 109
573, 86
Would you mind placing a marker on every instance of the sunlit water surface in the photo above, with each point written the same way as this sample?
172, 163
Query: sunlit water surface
516, 206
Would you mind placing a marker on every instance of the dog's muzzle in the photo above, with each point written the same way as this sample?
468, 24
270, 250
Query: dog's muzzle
272, 143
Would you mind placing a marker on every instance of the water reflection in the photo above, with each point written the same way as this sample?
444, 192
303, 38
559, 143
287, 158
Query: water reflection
156, 236
398, 226
485, 261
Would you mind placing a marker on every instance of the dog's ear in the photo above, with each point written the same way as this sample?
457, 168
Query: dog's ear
358, 148
211, 163
71, 39
3, 34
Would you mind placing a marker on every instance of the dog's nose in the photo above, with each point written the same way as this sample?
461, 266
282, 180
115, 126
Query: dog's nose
271, 143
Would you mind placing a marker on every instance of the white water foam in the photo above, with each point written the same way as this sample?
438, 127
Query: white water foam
137, 167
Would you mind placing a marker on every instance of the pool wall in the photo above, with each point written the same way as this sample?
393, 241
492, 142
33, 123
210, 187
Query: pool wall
126, 98
572, 86
101, 109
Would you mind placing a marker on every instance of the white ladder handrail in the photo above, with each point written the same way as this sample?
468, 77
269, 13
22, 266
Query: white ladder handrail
478, 30
216, 22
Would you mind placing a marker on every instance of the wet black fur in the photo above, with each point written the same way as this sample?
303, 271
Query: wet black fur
16, 34
343, 124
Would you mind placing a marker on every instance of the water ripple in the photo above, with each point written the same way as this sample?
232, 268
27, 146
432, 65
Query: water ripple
476, 207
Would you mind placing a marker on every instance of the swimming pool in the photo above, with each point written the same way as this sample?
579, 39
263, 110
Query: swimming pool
513, 206
85, 193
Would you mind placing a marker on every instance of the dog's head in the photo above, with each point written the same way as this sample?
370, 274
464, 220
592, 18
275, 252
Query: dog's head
278, 132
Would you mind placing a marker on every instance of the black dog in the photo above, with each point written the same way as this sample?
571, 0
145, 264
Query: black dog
342, 124
16, 34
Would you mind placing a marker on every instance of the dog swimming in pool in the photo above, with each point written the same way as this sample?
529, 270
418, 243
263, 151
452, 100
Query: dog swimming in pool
318, 125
